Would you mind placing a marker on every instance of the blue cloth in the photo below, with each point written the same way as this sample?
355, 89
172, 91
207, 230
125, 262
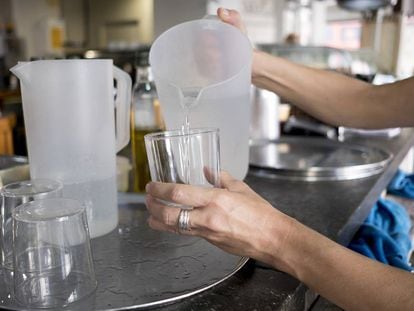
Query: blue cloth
402, 185
384, 236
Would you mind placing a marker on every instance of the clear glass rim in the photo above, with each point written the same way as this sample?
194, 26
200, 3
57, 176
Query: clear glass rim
9, 190
73, 60
178, 133
76, 208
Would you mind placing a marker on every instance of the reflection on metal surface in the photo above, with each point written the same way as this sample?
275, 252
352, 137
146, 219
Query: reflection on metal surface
346, 132
13, 168
313, 159
264, 123
137, 267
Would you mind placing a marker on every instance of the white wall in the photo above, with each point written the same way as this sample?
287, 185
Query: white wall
168, 13
405, 65
267, 21
104, 12
336, 13
261, 18
27, 14
319, 22
73, 12
387, 53
5, 11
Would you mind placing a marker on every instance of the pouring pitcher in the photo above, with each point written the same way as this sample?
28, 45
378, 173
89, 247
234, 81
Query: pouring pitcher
69, 114
202, 71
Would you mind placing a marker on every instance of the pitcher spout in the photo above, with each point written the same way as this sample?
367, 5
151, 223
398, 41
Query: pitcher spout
21, 70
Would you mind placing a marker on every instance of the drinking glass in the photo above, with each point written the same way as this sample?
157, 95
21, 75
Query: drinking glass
13, 195
52, 255
185, 157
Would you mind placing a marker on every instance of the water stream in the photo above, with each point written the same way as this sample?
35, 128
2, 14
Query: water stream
190, 99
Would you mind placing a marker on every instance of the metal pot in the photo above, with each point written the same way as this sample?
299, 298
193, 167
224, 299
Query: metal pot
363, 5
264, 122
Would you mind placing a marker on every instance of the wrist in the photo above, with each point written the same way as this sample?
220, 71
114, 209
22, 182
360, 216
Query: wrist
267, 69
257, 64
277, 237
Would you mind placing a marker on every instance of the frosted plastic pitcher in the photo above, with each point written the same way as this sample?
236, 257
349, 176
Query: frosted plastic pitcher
203, 67
68, 108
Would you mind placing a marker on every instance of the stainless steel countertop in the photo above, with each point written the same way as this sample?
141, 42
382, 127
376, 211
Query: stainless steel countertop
138, 268
334, 208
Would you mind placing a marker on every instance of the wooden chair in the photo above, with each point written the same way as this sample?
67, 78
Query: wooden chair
7, 123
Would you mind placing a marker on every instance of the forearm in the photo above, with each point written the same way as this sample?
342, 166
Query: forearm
346, 278
333, 97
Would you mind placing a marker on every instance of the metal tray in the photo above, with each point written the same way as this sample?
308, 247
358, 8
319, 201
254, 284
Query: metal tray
137, 267
13, 168
314, 159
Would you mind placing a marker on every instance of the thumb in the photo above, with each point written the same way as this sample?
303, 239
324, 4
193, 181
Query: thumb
230, 183
234, 185
231, 17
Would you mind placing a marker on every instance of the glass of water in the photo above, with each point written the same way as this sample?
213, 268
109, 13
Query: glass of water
185, 157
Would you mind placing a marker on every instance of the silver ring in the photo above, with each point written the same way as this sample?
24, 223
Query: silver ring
184, 220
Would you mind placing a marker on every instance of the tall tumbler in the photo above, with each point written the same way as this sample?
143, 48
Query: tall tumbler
13, 195
186, 157
53, 264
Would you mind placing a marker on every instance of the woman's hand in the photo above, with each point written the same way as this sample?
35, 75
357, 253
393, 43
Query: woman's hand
233, 18
234, 218
237, 220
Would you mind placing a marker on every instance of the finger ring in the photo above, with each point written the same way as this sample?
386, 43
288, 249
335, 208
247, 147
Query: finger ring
184, 220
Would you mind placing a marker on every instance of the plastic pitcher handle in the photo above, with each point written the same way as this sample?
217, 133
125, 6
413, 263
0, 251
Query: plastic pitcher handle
123, 107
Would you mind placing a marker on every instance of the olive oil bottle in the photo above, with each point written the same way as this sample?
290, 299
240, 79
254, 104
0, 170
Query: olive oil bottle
145, 118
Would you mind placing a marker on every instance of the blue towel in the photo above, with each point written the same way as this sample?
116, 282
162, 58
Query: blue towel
402, 184
384, 236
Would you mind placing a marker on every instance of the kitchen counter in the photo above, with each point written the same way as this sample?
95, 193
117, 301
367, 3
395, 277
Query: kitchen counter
136, 265
333, 208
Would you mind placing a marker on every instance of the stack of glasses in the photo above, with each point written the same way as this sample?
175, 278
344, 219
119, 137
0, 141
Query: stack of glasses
45, 246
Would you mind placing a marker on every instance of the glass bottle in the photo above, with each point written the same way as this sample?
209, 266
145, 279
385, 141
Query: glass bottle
145, 118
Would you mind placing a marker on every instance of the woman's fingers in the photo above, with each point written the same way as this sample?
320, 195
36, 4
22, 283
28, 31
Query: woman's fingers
228, 182
234, 220
212, 177
180, 193
165, 218
165, 214
160, 226
231, 17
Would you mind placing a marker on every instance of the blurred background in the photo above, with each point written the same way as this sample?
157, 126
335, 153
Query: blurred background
372, 40
378, 32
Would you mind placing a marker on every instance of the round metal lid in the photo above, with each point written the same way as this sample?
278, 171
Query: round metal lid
314, 159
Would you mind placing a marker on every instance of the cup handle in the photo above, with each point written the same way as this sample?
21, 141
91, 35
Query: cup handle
123, 107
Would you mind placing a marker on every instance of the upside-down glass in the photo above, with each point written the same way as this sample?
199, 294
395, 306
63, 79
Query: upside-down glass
185, 158
52, 256
13, 195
